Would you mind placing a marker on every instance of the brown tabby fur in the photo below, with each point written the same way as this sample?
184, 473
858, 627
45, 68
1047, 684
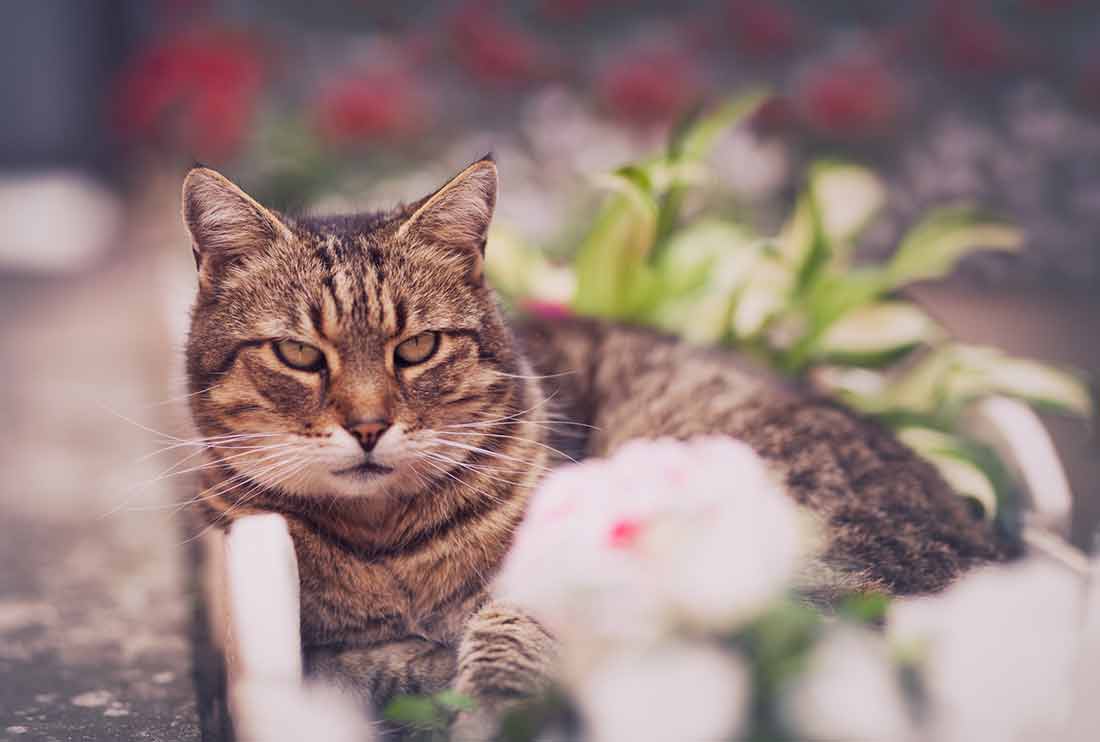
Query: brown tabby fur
395, 569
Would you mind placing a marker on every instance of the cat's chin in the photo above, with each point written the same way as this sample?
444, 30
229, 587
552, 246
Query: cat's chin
366, 480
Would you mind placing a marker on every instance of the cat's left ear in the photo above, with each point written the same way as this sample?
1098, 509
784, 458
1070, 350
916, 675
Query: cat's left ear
456, 217
226, 224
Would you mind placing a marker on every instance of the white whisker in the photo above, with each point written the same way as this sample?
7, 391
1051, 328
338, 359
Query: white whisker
180, 398
534, 377
483, 469
544, 401
511, 437
487, 452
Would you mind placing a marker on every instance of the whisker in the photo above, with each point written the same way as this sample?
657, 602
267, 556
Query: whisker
483, 469
180, 398
173, 472
487, 452
136, 424
544, 401
203, 443
534, 377
249, 495
482, 493
515, 438
252, 450
222, 487
542, 423
284, 475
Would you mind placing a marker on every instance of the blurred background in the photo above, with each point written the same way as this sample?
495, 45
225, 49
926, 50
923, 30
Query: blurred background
341, 105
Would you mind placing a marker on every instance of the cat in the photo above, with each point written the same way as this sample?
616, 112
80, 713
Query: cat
356, 375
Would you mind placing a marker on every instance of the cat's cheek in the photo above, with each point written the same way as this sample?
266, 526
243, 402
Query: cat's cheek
273, 381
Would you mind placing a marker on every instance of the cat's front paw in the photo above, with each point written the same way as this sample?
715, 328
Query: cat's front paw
505, 658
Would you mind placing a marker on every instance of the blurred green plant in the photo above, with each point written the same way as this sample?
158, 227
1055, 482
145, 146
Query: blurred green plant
426, 718
796, 300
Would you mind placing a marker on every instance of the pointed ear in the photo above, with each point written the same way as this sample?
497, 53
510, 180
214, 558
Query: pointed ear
456, 217
224, 221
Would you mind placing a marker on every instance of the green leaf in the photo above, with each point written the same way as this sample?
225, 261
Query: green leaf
859, 388
955, 462
955, 375
704, 254
1038, 383
415, 710
796, 238
763, 297
837, 294
864, 607
848, 197
830, 298
697, 140
778, 643
691, 142
454, 701
838, 202
701, 272
819, 248
933, 247
874, 334
922, 387
637, 179
614, 278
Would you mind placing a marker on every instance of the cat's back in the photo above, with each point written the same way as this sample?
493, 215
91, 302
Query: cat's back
892, 522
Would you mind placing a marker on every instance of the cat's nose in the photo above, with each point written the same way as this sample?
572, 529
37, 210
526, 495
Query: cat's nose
368, 432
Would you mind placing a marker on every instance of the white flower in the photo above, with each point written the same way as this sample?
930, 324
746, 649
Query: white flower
661, 534
286, 712
999, 649
672, 692
851, 692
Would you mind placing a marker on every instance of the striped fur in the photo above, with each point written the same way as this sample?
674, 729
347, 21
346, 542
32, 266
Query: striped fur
395, 566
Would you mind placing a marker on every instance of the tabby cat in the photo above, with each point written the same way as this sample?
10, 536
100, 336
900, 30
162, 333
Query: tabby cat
355, 375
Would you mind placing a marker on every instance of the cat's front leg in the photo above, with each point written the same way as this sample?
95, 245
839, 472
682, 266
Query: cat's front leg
375, 673
504, 658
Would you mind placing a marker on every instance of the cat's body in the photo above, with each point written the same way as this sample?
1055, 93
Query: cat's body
369, 390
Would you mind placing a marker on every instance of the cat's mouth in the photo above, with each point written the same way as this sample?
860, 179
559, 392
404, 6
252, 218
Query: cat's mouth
365, 469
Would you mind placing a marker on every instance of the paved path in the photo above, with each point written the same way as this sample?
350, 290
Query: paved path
95, 605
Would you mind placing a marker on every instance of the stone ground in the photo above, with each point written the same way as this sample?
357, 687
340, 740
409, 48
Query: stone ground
95, 593
95, 602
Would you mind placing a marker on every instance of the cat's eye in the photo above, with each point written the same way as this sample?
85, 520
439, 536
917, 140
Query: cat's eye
416, 349
299, 355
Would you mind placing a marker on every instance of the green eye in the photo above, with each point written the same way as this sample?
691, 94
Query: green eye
299, 355
416, 349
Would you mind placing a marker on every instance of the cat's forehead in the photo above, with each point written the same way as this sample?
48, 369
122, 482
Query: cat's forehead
347, 281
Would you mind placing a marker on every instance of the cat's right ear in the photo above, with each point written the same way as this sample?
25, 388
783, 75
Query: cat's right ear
225, 222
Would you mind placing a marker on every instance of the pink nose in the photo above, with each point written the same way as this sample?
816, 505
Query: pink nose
368, 432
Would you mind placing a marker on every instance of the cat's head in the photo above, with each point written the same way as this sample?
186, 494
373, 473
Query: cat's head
346, 355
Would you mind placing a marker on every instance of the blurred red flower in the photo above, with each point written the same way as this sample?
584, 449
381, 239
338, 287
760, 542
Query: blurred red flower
650, 85
493, 49
195, 91
373, 106
763, 29
850, 98
775, 115
972, 40
547, 309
